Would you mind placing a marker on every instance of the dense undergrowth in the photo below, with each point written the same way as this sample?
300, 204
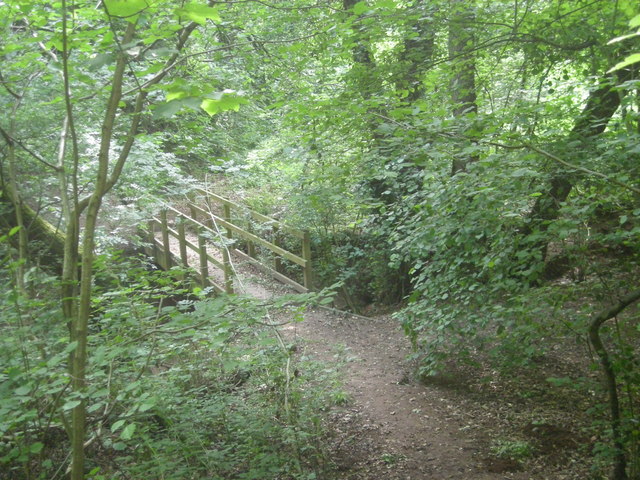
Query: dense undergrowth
473, 163
181, 385
474, 279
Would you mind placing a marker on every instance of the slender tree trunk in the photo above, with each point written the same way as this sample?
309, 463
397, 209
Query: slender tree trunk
80, 322
14, 196
463, 81
35, 227
620, 462
23, 240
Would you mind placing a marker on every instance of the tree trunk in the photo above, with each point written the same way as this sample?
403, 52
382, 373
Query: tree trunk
37, 229
361, 71
417, 56
601, 105
463, 81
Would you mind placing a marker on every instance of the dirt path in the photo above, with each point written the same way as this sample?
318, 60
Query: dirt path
393, 428
396, 428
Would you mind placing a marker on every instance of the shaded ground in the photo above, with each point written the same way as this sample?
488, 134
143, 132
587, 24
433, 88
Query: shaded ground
465, 425
393, 428
397, 428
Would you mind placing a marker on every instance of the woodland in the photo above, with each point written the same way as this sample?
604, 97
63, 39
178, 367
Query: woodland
469, 167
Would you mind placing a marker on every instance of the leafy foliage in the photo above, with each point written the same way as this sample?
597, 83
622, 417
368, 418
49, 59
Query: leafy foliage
194, 388
498, 223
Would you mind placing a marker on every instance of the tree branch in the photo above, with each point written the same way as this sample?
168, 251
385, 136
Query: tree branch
6, 86
11, 140
559, 160
174, 61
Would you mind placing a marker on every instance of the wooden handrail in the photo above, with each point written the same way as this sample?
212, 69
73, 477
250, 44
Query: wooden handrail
231, 231
193, 247
200, 249
255, 215
246, 235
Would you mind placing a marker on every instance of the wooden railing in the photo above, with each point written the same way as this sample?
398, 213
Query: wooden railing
214, 221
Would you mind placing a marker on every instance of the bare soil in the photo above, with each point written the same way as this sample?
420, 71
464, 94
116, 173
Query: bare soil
394, 427
400, 429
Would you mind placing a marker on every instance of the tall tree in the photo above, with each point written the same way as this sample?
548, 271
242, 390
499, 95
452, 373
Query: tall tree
601, 105
113, 43
462, 47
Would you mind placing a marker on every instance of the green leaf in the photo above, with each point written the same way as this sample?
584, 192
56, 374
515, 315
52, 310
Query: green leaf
23, 390
385, 4
146, 406
222, 101
36, 447
191, 102
167, 110
125, 8
13, 231
176, 94
635, 21
128, 431
360, 7
95, 407
71, 404
630, 60
199, 13
71, 347
54, 101
117, 425
101, 60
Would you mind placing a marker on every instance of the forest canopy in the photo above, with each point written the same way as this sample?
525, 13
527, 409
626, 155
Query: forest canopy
472, 164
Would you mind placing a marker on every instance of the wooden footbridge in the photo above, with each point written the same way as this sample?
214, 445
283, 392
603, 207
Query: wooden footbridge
209, 234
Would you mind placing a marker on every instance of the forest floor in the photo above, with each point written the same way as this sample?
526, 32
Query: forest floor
468, 424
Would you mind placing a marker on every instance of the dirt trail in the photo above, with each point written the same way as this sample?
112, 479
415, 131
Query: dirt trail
393, 428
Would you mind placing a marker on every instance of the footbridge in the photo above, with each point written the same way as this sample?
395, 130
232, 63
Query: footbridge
211, 234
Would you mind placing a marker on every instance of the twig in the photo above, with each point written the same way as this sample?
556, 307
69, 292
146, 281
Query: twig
10, 140
171, 332
177, 61
559, 160
342, 312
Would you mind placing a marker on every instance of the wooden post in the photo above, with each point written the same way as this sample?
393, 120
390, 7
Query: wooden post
182, 239
306, 254
204, 266
165, 240
226, 208
153, 250
228, 272
251, 247
194, 212
277, 240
